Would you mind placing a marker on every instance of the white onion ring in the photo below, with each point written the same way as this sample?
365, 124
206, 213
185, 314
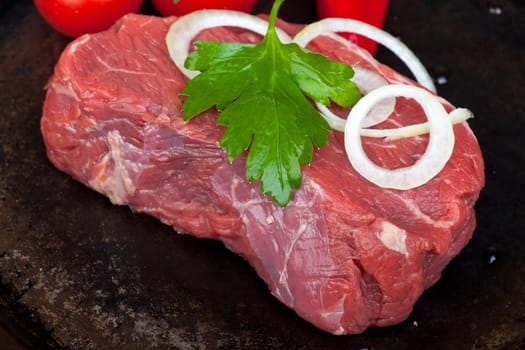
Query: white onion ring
438, 151
185, 28
334, 25
366, 80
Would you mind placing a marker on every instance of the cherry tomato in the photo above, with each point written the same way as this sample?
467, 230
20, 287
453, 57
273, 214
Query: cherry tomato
369, 11
182, 7
76, 17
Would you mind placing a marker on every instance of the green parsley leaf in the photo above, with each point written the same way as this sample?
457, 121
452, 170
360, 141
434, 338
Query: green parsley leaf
263, 93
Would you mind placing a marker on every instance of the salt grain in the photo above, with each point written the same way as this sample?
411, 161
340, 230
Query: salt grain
442, 80
496, 10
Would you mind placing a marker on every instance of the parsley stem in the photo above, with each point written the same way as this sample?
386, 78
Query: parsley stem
273, 15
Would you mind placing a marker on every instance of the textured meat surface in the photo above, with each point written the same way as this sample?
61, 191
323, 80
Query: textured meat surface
344, 254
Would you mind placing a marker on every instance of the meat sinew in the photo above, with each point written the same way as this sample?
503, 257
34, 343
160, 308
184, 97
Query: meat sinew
344, 254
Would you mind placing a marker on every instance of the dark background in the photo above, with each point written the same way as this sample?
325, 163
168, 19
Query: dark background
77, 272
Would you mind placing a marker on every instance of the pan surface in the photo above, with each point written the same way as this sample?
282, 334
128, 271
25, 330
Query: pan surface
77, 272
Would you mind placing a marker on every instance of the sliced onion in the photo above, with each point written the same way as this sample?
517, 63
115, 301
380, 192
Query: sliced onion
367, 81
458, 115
438, 151
377, 104
334, 25
185, 28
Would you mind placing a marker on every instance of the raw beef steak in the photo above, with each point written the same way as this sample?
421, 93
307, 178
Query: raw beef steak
344, 254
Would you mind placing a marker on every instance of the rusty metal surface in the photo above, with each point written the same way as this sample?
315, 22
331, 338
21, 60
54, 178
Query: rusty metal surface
80, 273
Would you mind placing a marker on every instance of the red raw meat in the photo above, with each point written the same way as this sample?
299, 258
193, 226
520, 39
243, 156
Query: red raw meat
344, 254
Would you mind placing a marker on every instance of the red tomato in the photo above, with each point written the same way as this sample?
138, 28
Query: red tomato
369, 11
76, 17
182, 7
